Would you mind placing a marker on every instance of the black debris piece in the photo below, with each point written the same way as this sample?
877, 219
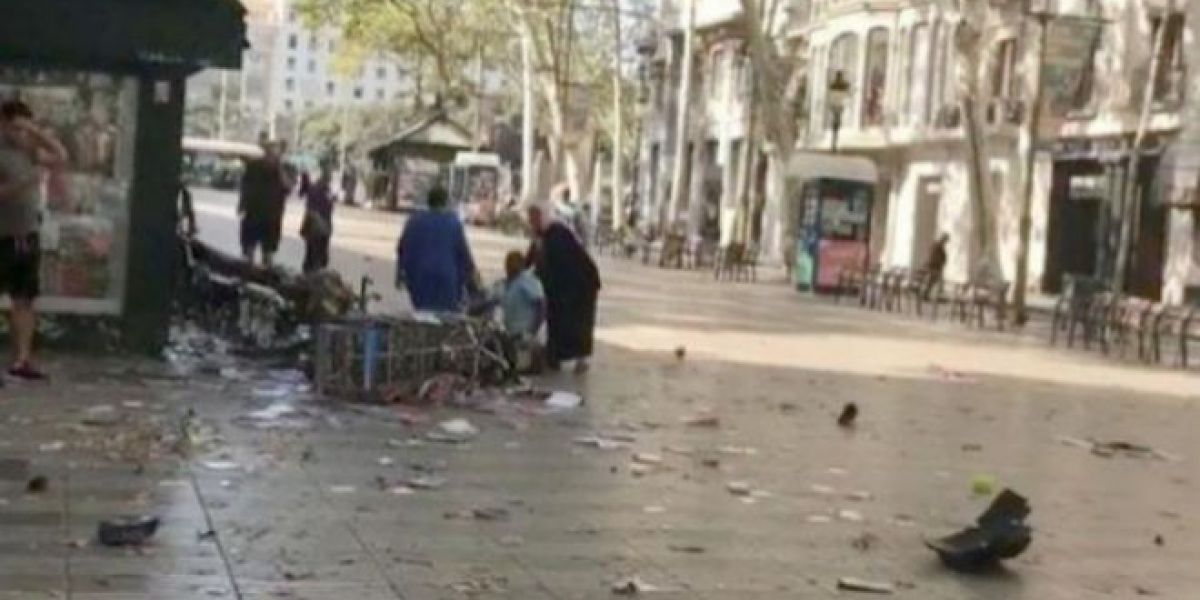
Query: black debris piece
126, 531
37, 485
849, 414
1000, 533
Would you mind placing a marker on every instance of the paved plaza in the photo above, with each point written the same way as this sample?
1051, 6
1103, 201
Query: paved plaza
315, 499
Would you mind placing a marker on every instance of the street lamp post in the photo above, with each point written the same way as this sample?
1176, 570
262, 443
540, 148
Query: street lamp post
839, 94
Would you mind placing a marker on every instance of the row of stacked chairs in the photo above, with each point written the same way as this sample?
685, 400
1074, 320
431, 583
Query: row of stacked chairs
910, 290
1123, 324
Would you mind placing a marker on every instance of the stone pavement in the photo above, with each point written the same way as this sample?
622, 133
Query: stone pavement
304, 507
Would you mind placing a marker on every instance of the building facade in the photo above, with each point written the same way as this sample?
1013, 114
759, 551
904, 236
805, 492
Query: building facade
913, 83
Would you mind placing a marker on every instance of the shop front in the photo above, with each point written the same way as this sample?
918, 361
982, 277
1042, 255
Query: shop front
109, 85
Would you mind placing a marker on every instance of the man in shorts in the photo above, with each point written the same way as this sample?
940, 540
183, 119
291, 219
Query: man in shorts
25, 149
261, 204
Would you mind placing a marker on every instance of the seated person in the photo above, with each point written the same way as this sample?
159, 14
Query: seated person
523, 303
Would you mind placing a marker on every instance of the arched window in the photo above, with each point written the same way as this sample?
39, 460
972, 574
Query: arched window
876, 79
843, 56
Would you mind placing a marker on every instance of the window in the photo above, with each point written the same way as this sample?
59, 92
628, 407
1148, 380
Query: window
312, 65
1169, 78
918, 69
289, 84
332, 46
843, 56
312, 42
380, 72
1002, 70
291, 63
379, 94
287, 105
949, 87
293, 41
358, 93
330, 88
876, 80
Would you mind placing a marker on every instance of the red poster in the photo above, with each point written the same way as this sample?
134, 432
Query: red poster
835, 255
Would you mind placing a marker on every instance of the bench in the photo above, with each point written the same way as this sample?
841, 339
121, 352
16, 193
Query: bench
976, 299
736, 262
1128, 321
853, 281
1073, 307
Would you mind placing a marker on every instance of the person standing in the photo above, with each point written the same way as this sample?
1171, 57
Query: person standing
433, 259
935, 265
25, 149
349, 184
317, 227
572, 284
261, 205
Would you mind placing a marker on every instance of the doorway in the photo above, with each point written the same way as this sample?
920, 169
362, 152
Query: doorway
925, 228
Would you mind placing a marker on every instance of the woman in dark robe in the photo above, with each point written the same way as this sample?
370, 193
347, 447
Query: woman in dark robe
572, 283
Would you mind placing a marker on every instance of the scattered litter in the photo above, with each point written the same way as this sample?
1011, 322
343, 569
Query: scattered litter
853, 584
708, 421
738, 450
126, 531
207, 535
739, 488
402, 490
848, 416
850, 516
640, 470
453, 431
686, 549
54, 446
1113, 448
272, 392
560, 401
426, 482
386, 461
632, 586
654, 510
983, 485
680, 450
824, 490
133, 404
37, 485
646, 458
950, 374
600, 442
864, 542
101, 415
838, 471
859, 496
680, 352
972, 447
342, 489
1144, 591
712, 463
272, 412
221, 465
1000, 533
819, 519
1159, 541
493, 513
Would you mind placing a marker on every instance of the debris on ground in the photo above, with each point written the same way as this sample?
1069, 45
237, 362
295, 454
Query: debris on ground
342, 489
37, 485
972, 447
854, 584
859, 496
54, 446
983, 485
738, 450
126, 531
632, 586
850, 516
686, 549
739, 488
1159, 541
454, 431
221, 465
712, 463
848, 416
950, 374
603, 442
562, 401
647, 458
490, 513
680, 353
703, 420
1109, 449
101, 415
864, 542
426, 482
999, 533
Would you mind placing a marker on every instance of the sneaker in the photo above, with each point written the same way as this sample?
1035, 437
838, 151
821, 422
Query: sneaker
27, 372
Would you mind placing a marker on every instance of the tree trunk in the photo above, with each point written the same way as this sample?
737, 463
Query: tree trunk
684, 114
618, 124
528, 119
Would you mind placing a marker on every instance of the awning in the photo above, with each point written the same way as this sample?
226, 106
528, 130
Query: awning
805, 166
221, 148
177, 35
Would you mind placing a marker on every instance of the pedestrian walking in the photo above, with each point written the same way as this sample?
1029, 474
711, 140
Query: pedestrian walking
25, 151
349, 183
316, 229
935, 265
261, 204
433, 259
572, 284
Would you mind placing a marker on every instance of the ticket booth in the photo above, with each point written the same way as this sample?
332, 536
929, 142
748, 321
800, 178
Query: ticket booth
830, 199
